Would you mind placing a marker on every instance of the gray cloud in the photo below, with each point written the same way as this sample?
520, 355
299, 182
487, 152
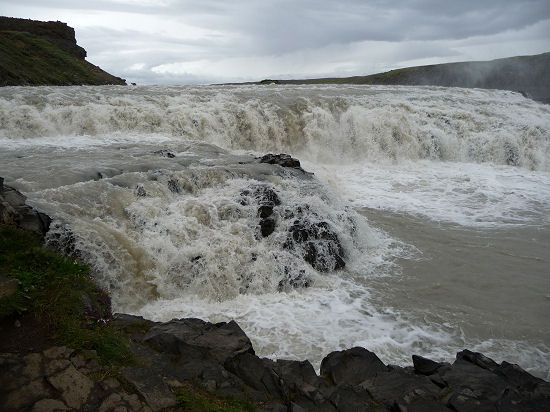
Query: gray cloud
170, 41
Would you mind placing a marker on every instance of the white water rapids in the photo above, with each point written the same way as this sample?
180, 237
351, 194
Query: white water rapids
439, 197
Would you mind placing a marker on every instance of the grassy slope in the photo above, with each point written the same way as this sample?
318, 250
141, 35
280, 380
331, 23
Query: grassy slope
26, 59
60, 294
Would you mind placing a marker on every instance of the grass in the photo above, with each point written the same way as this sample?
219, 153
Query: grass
193, 399
26, 59
61, 294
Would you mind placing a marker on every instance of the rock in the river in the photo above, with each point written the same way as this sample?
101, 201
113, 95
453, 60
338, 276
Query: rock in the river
282, 159
351, 366
266, 198
14, 211
321, 247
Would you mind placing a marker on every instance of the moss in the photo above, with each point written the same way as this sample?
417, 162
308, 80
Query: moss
195, 399
61, 294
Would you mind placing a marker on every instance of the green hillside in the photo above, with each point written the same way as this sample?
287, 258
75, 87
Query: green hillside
28, 59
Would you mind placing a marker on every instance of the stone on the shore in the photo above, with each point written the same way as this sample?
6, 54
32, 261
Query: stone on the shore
351, 366
221, 340
14, 211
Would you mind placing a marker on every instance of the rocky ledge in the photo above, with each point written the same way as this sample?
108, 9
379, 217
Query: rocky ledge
220, 358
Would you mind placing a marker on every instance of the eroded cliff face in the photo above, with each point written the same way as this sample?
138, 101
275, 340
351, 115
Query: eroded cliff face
45, 53
55, 32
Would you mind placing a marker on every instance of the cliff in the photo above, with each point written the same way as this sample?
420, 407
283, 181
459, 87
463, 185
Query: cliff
36, 53
526, 74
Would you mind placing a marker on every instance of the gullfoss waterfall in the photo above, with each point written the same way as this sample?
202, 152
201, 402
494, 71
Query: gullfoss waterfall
424, 228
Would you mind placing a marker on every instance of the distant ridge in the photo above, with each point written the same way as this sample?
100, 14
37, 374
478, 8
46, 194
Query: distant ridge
34, 53
529, 75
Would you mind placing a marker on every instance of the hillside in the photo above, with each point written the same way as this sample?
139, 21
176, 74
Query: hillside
34, 53
526, 74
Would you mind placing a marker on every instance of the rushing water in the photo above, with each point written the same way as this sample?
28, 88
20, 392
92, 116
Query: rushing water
439, 197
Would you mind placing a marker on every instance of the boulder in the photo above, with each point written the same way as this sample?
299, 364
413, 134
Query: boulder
221, 340
14, 211
320, 246
351, 366
282, 159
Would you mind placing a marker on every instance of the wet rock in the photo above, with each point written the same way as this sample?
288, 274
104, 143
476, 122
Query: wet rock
14, 211
351, 366
320, 246
221, 340
140, 191
267, 226
164, 153
256, 373
400, 388
282, 159
425, 366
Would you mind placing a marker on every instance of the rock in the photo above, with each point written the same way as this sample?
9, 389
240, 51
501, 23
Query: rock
14, 211
58, 352
73, 385
320, 246
425, 366
351, 366
256, 373
27, 395
400, 388
282, 159
49, 405
8, 286
267, 227
347, 398
165, 153
221, 340
151, 386
140, 191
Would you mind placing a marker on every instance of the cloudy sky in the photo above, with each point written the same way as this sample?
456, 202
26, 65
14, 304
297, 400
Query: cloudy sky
211, 41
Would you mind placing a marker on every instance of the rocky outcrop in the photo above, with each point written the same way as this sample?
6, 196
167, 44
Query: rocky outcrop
220, 357
282, 159
55, 32
14, 211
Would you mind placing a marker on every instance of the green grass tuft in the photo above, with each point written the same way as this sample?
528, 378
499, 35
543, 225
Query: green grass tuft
61, 294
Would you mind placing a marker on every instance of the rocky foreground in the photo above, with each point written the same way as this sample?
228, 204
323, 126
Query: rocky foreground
220, 358
174, 356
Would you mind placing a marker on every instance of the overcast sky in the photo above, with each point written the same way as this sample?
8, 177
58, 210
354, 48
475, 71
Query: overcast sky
211, 41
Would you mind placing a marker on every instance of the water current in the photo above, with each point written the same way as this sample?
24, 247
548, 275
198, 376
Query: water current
440, 199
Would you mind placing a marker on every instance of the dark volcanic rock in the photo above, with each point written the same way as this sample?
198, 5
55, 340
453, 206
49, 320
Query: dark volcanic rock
282, 159
425, 366
351, 366
14, 211
220, 340
321, 247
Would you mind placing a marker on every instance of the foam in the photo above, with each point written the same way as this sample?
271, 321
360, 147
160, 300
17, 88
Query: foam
467, 194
